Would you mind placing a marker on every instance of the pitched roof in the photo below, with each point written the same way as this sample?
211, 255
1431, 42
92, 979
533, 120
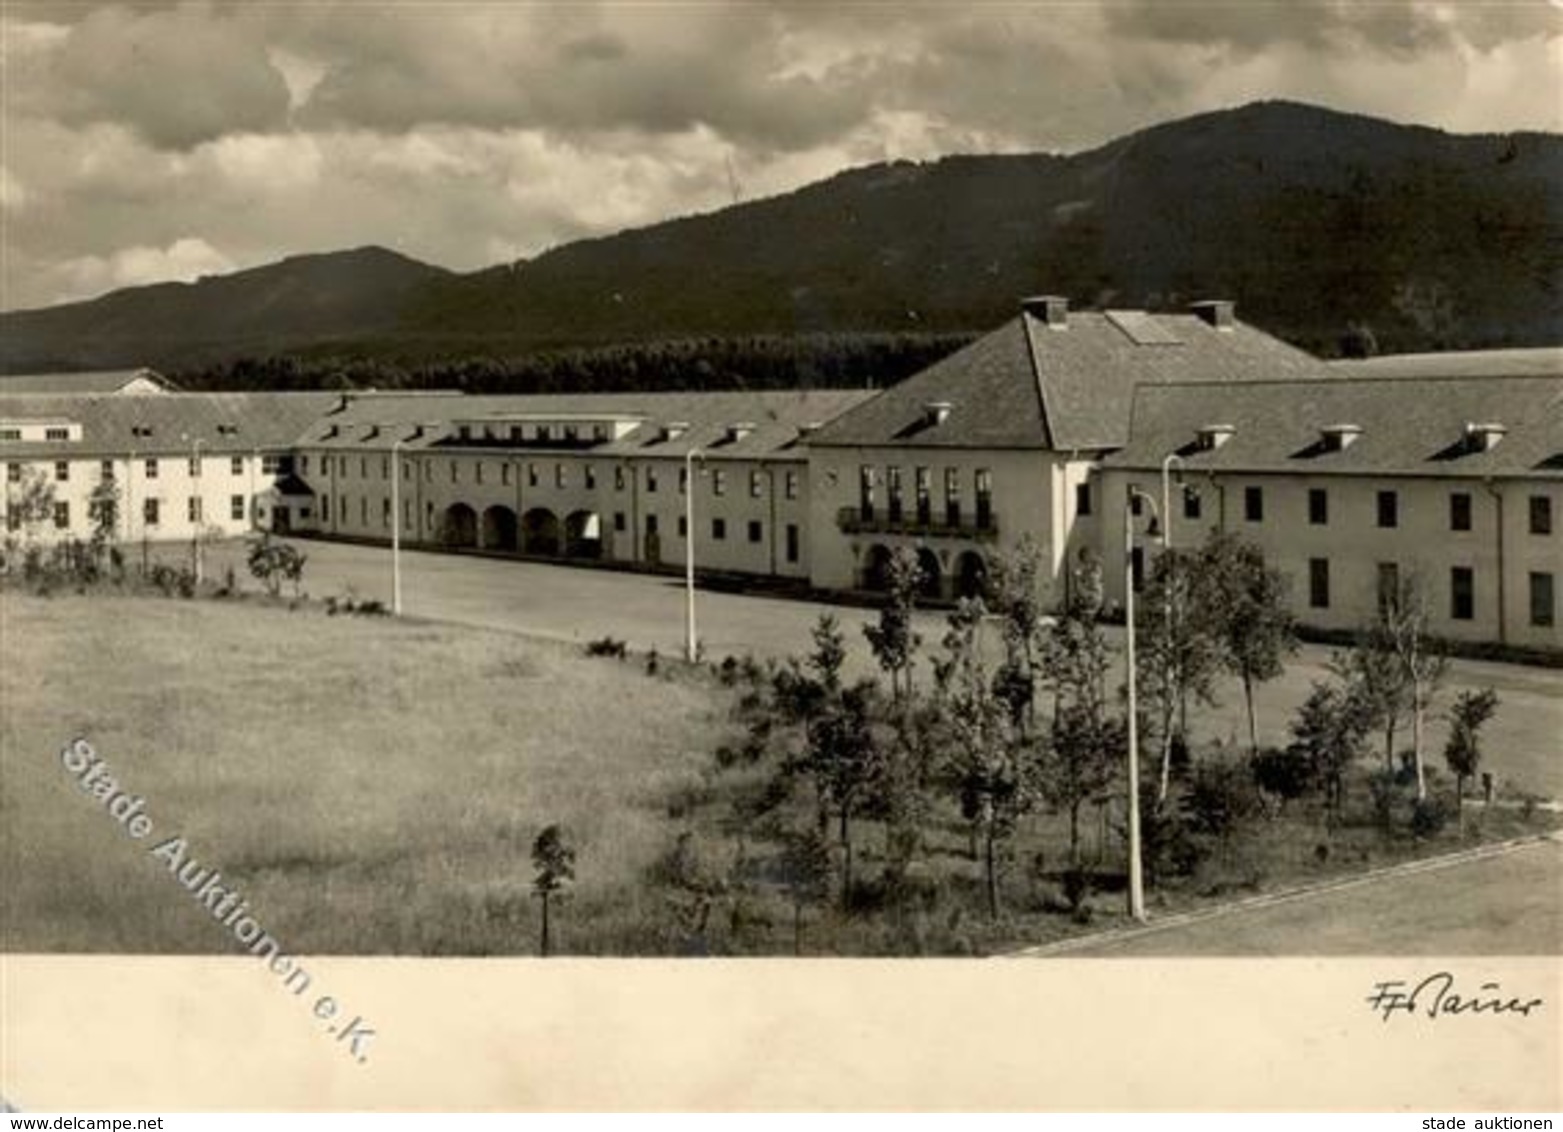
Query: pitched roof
1030, 384
375, 421
1456, 363
76, 384
115, 425
1409, 426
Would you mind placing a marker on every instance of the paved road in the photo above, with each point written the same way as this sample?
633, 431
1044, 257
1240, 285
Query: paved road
1504, 904
576, 603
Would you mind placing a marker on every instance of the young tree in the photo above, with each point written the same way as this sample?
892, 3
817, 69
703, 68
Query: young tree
844, 761
30, 504
1244, 601
1375, 671
1179, 653
992, 777
806, 872
103, 515
554, 860
1017, 599
893, 639
1328, 730
1405, 617
1467, 716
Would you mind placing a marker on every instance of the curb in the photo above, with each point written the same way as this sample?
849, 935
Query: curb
1286, 896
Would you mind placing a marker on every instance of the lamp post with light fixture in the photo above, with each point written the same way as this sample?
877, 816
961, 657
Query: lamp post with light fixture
691, 641
396, 527
1136, 872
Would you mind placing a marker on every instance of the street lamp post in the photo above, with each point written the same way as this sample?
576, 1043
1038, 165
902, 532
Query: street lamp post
396, 527
1167, 592
691, 641
1136, 874
200, 510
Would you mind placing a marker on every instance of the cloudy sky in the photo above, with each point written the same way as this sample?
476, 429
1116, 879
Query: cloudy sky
144, 142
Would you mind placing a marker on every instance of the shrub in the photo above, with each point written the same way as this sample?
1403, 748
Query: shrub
607, 646
1428, 817
1284, 773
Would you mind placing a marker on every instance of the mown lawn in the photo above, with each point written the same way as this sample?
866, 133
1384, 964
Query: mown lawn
369, 786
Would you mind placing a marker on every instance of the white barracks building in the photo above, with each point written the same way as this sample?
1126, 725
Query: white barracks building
1348, 474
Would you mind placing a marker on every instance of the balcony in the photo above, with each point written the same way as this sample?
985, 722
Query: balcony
852, 521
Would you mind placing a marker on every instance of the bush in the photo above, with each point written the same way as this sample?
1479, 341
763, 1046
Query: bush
1428, 817
607, 646
1284, 773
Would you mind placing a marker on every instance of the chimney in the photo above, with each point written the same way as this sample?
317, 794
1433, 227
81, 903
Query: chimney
937, 412
1339, 436
1483, 436
1051, 310
1213, 436
1216, 312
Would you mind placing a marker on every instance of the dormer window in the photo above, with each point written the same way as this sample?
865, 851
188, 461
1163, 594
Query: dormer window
1213, 436
1483, 436
1336, 437
739, 431
674, 429
936, 412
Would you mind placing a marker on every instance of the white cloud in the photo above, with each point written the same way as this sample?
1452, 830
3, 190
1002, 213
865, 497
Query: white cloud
184, 260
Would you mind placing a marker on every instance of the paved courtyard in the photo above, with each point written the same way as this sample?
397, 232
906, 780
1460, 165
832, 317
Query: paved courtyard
1524, 741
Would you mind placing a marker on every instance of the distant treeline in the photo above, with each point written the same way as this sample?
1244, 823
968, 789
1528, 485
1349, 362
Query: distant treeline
827, 361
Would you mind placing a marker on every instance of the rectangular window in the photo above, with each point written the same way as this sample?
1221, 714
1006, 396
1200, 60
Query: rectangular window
193, 508
1540, 515
791, 484
1462, 593
719, 529
151, 468
1254, 504
1459, 511
385, 513
455, 472
590, 477
559, 478
236, 507
618, 521
1388, 585
363, 467
341, 466
651, 524
718, 481
303, 465
651, 480
618, 478
13, 472
236, 465
1319, 583
544, 433
385, 467
984, 499
149, 512
477, 471
865, 492
756, 530
1137, 568
683, 526
194, 463
363, 510
1318, 506
792, 542
1136, 500
922, 486
325, 508
56, 434
756, 486
683, 480
106, 470
10, 434
504, 474
1082, 499
952, 497
893, 492
1542, 599
62, 470
531, 475
62, 515
1389, 509
1192, 503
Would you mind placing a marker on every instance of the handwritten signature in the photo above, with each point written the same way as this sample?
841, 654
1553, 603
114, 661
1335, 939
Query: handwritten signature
1435, 996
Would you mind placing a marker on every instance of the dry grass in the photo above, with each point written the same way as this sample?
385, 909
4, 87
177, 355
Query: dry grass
369, 786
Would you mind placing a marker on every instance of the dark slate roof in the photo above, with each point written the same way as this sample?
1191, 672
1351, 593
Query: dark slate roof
373, 422
1410, 426
1029, 385
1457, 363
224, 422
77, 384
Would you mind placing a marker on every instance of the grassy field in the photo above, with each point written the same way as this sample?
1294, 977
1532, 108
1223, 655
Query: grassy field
374, 786
369, 786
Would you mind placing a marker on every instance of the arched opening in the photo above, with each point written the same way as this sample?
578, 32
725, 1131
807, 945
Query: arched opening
876, 569
499, 529
928, 584
459, 526
583, 535
540, 532
971, 575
